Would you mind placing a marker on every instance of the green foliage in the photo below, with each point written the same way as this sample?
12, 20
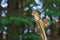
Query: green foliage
26, 36
31, 36
16, 20
52, 12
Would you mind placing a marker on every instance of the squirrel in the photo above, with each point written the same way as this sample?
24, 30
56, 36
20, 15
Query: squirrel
40, 24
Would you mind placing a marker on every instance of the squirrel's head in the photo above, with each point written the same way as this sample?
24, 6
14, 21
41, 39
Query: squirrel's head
36, 15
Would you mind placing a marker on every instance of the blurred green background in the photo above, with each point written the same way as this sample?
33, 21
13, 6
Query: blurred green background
17, 22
